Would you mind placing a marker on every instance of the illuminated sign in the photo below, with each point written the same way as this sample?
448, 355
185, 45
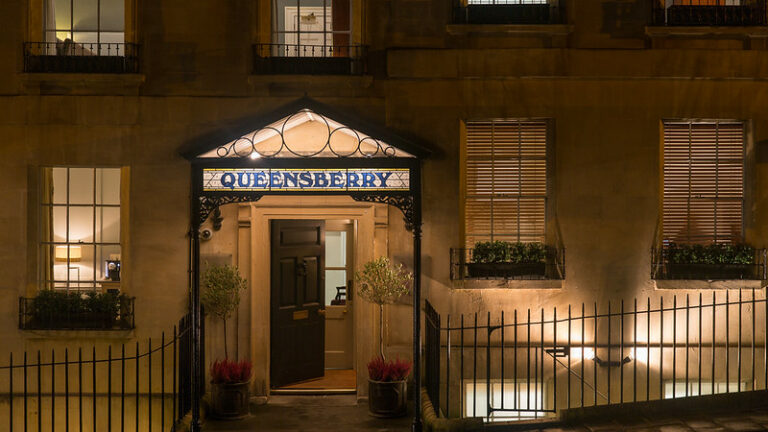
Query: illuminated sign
288, 179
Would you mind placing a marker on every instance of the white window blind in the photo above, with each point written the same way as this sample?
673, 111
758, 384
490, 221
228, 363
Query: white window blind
703, 181
505, 181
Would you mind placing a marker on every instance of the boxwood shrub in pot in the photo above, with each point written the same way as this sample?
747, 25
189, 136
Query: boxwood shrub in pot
508, 260
380, 282
710, 261
220, 297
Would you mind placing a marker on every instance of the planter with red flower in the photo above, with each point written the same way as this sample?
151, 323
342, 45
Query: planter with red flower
230, 381
382, 283
388, 387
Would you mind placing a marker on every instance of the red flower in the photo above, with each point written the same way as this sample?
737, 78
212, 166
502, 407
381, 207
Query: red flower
229, 372
380, 369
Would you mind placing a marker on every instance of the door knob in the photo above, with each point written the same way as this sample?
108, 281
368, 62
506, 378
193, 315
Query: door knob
321, 312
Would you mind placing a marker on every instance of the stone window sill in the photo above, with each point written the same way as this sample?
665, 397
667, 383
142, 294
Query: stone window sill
692, 284
514, 284
752, 37
82, 83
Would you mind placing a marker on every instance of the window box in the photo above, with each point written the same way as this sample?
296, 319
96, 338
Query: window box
68, 57
465, 267
507, 270
711, 262
55, 310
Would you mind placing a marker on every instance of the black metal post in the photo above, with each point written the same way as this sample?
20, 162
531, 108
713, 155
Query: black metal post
416, 303
194, 233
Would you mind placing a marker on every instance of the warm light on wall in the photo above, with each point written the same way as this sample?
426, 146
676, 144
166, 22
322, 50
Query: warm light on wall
639, 354
75, 253
589, 353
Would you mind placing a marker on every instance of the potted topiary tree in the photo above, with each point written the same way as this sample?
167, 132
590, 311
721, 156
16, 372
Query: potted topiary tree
220, 297
383, 283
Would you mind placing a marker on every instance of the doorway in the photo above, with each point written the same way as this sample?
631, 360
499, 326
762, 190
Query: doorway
312, 350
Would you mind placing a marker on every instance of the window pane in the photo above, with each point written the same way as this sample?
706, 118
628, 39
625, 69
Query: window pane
85, 43
333, 280
59, 225
107, 224
59, 185
104, 254
108, 186
81, 224
335, 249
84, 269
58, 14
113, 38
85, 15
81, 186
112, 15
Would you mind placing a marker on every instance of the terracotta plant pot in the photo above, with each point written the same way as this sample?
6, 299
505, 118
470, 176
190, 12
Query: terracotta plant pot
230, 401
388, 399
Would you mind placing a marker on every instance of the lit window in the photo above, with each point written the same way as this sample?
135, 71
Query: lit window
706, 388
83, 27
522, 401
311, 28
79, 227
505, 181
703, 195
335, 267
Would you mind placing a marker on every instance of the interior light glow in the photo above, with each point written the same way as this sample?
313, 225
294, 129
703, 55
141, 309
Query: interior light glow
576, 353
255, 155
589, 354
639, 354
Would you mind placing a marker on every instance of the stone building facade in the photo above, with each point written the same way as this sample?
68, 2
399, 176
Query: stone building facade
605, 76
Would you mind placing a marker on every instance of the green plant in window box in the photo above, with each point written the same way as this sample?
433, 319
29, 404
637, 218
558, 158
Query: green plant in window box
59, 309
714, 261
508, 260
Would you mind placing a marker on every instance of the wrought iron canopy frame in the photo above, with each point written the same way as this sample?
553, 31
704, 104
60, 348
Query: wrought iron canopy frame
203, 203
408, 202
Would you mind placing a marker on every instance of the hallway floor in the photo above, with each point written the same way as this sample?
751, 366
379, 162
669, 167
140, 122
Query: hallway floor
311, 413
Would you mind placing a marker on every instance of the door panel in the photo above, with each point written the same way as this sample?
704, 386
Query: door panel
297, 290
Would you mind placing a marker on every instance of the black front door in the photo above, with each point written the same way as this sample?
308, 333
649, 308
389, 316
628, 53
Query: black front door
298, 299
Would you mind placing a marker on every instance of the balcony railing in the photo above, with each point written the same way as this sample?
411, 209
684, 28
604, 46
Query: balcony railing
73, 57
664, 267
62, 311
509, 12
464, 267
704, 13
269, 59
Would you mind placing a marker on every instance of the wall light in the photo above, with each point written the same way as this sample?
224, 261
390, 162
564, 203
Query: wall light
255, 155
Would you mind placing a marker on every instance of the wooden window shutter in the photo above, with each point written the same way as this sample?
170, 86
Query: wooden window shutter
703, 196
505, 181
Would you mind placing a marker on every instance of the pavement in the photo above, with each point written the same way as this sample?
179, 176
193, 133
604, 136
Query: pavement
340, 413
756, 420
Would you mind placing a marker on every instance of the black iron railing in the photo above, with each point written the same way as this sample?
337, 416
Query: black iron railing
73, 57
308, 59
146, 387
508, 12
534, 364
464, 267
115, 313
662, 267
705, 13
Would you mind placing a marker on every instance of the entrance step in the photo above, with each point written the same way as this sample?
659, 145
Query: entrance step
315, 401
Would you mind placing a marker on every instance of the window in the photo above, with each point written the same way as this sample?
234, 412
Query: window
79, 227
508, 12
505, 181
709, 12
531, 401
703, 196
311, 28
83, 24
336, 267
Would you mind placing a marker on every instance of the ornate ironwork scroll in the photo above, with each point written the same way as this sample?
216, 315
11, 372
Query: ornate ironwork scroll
403, 202
367, 146
208, 204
